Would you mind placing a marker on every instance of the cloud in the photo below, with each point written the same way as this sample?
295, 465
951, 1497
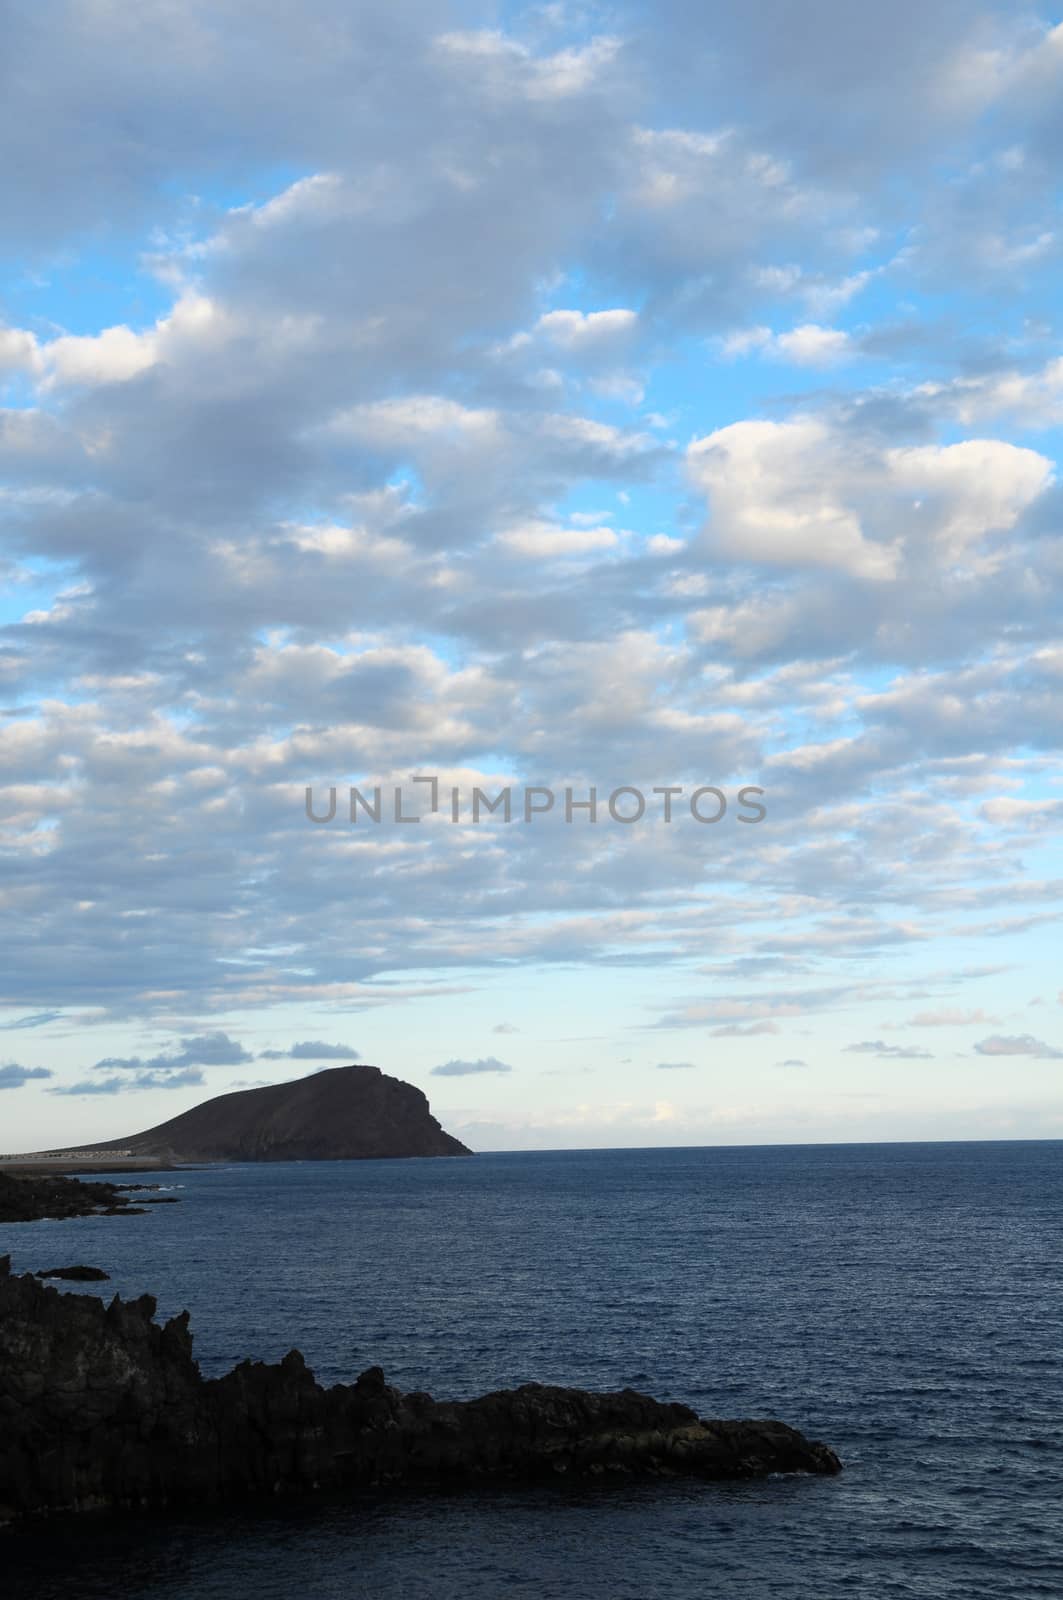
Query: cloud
541, 540
311, 1050
12, 1076
673, 1066
18, 350
465, 1069
583, 330
744, 1030
796, 494
205, 1050
888, 1052
1034, 398
1021, 1044
39, 1019
183, 1079
792, 1061
949, 1017
504, 1027
806, 346
349, 474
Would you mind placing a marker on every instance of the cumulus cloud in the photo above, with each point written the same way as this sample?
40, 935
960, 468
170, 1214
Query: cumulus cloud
465, 1069
797, 494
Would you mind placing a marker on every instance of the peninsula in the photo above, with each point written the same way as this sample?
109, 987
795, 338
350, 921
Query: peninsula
105, 1410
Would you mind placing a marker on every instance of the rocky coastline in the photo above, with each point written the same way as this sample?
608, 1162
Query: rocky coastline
101, 1408
33, 1198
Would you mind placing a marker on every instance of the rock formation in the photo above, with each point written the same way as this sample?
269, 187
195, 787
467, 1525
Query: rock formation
30, 1199
342, 1114
100, 1407
76, 1274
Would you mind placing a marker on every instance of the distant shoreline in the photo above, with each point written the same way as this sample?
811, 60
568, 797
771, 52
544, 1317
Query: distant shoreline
102, 1161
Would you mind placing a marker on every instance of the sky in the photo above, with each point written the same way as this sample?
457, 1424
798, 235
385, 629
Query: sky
535, 398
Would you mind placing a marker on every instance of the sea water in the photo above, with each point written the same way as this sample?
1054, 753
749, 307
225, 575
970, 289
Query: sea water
902, 1302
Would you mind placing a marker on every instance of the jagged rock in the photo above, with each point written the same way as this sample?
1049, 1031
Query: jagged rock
341, 1114
30, 1199
100, 1407
77, 1274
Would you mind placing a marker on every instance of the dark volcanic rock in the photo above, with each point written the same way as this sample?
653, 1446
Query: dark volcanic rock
342, 1114
100, 1407
29, 1199
77, 1274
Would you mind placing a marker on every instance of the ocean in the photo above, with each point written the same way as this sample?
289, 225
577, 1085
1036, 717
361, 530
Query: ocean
901, 1302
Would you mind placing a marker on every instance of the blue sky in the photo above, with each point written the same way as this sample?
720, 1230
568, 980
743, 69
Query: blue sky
554, 395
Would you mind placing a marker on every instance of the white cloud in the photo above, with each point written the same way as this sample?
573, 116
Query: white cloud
119, 354
434, 417
19, 351
799, 494
510, 68
321, 194
113, 356
776, 500
813, 346
1035, 399
973, 488
583, 330
543, 540
808, 345
743, 340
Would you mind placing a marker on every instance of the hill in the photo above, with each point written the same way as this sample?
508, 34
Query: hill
341, 1114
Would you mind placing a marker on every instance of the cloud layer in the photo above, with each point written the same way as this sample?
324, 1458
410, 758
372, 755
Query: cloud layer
564, 402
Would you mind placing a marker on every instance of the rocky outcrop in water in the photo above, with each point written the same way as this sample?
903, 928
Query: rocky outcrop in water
76, 1274
341, 1114
100, 1407
31, 1199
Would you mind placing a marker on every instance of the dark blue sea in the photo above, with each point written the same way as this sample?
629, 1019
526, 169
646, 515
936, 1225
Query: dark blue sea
902, 1302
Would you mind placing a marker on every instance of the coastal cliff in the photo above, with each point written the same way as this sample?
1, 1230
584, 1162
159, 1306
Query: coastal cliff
341, 1114
101, 1408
